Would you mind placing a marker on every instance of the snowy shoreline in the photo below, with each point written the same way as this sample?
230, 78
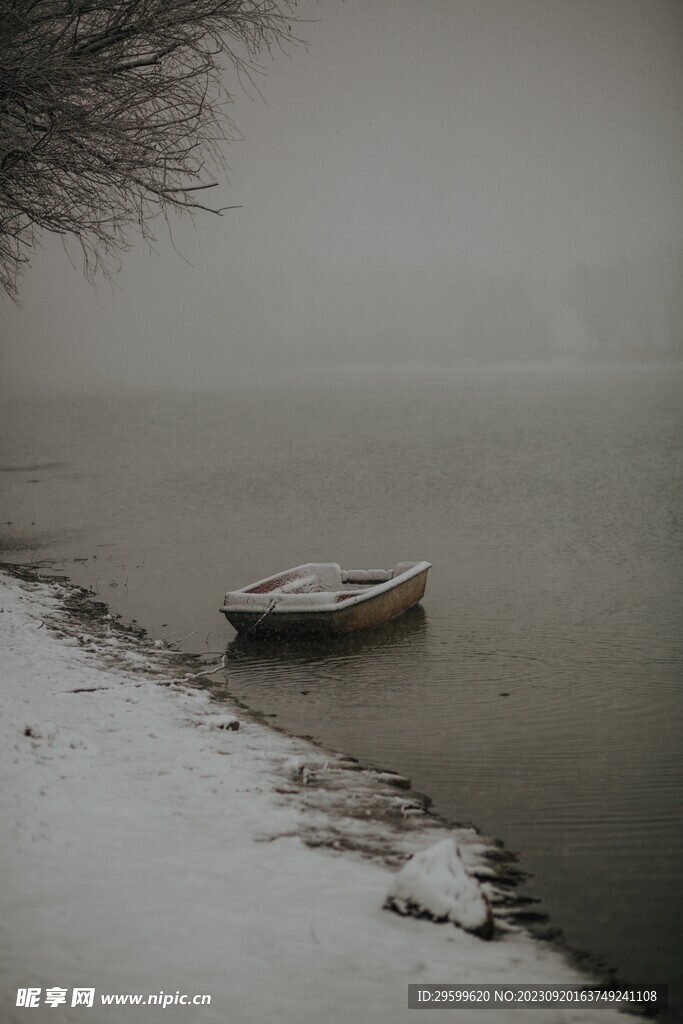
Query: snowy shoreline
153, 841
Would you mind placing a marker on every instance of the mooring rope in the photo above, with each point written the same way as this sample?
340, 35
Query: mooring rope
260, 619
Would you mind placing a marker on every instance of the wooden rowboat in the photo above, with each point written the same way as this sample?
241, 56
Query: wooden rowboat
321, 597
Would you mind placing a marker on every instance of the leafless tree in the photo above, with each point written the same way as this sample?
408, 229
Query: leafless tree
112, 112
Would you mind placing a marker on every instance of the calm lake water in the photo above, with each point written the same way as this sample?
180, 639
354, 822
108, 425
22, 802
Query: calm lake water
536, 694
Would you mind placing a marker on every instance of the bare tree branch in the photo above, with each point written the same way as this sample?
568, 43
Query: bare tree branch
113, 112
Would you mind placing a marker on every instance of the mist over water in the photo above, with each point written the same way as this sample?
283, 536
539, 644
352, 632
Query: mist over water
433, 183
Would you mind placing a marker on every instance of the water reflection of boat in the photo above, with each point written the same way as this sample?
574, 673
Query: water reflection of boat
301, 682
322, 598
296, 648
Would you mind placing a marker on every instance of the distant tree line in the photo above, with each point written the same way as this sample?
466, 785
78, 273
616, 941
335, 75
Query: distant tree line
112, 112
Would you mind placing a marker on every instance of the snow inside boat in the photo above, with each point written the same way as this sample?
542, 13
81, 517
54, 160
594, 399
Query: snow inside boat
321, 597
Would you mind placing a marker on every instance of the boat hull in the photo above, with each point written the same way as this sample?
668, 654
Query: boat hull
361, 614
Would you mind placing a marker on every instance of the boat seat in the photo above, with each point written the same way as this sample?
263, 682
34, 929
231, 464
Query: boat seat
314, 579
300, 585
328, 576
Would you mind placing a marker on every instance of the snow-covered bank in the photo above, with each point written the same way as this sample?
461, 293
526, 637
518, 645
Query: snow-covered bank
148, 846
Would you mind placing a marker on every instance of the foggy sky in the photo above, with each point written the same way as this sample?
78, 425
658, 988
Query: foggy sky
429, 182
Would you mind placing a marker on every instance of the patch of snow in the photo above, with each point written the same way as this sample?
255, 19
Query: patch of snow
435, 883
306, 583
222, 722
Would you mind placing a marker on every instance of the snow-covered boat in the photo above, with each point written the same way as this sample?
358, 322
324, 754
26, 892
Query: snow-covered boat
321, 597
